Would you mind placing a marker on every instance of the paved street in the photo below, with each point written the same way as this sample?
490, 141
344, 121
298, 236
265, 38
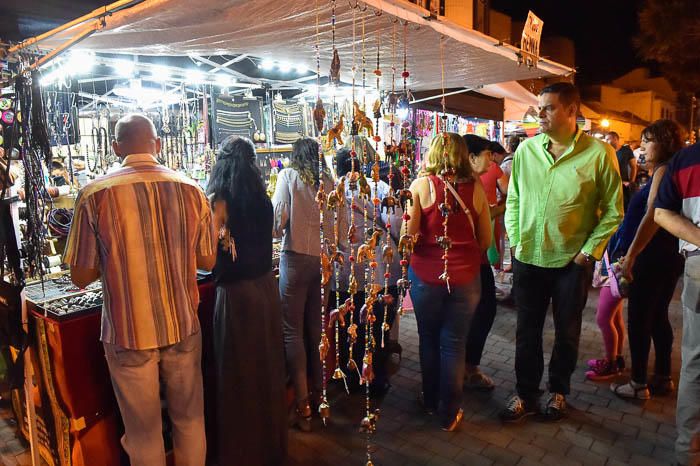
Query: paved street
602, 430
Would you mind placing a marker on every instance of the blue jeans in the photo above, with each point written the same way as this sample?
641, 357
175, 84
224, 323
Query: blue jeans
443, 320
300, 291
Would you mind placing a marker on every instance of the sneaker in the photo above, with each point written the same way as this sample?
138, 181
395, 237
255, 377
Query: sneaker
638, 391
517, 409
661, 385
477, 380
455, 422
602, 371
555, 409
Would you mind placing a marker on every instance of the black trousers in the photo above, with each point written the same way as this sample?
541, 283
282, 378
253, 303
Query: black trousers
534, 288
483, 318
650, 294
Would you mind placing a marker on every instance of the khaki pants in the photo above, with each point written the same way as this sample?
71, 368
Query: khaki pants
688, 407
136, 376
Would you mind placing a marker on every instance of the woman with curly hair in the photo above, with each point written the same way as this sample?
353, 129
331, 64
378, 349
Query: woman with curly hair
444, 308
246, 315
297, 221
653, 265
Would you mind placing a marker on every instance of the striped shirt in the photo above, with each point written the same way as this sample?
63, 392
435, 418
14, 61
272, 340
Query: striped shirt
142, 226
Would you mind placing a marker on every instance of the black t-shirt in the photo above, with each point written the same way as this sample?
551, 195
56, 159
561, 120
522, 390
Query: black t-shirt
252, 233
624, 155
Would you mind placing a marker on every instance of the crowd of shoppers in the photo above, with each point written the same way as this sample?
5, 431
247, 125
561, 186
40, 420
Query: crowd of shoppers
560, 196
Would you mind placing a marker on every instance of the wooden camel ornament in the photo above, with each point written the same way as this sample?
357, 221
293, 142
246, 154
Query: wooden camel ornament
362, 121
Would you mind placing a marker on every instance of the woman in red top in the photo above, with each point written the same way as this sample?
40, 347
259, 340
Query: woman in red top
444, 310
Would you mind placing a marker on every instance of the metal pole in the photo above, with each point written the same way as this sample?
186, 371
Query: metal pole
461, 91
63, 47
98, 13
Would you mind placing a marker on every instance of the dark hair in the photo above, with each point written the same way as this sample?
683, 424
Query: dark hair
496, 148
236, 177
567, 92
343, 164
667, 134
613, 134
513, 142
475, 144
305, 160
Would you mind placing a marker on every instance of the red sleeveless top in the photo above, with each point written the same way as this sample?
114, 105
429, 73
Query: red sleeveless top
464, 257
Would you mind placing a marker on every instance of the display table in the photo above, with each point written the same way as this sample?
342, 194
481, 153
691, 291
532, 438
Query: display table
78, 417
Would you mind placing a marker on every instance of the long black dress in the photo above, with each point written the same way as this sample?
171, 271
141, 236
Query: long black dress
248, 347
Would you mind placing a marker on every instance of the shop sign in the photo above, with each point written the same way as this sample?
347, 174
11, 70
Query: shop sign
530, 41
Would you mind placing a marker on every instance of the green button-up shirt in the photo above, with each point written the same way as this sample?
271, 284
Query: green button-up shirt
556, 209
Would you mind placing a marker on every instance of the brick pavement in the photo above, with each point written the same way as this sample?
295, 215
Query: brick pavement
601, 429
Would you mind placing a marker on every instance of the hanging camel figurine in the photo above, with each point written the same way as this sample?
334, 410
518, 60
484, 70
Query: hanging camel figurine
319, 115
366, 251
362, 121
334, 134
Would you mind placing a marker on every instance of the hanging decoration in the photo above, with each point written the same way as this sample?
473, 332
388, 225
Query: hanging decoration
448, 175
324, 409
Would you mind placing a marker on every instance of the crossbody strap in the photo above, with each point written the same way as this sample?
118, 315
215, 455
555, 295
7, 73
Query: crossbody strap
462, 204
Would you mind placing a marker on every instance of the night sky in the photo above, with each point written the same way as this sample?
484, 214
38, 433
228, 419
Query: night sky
602, 31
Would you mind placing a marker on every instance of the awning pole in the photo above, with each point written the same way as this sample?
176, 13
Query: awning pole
63, 47
96, 14
461, 91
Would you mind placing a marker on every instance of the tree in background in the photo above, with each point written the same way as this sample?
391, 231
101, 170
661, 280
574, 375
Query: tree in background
670, 35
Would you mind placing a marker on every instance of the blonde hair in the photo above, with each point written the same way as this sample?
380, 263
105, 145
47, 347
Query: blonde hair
457, 155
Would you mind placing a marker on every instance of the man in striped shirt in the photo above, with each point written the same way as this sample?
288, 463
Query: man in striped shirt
144, 230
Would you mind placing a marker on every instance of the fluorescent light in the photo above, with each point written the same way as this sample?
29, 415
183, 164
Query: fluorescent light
124, 67
301, 69
285, 67
160, 73
224, 80
267, 64
80, 61
195, 76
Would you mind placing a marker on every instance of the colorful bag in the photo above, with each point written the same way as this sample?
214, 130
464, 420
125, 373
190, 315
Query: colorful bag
618, 284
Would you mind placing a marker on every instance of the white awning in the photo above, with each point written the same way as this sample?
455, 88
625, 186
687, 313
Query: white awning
285, 30
517, 100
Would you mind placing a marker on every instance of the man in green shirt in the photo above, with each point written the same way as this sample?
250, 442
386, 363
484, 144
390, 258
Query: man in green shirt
564, 202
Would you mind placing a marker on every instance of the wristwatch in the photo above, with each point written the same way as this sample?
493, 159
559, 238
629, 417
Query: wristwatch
588, 257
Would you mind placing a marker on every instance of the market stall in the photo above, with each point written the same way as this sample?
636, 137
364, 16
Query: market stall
271, 71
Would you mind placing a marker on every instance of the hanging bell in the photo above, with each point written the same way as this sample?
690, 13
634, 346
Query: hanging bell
369, 463
445, 242
338, 374
324, 410
445, 209
352, 365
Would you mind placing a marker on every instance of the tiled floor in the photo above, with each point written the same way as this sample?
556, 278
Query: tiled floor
601, 429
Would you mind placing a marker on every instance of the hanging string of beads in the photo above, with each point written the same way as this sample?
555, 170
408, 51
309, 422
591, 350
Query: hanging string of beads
325, 267
447, 174
352, 229
336, 200
406, 242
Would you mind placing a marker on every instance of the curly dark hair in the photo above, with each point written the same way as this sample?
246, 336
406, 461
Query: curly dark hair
236, 177
305, 160
667, 134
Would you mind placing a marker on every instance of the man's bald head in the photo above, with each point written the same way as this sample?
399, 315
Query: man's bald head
135, 134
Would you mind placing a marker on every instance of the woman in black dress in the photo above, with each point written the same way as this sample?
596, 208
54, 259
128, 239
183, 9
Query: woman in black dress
248, 347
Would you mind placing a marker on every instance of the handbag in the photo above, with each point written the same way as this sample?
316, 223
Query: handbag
618, 284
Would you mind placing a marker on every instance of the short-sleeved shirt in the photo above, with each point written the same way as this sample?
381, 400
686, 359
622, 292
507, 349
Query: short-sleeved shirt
624, 155
680, 189
490, 182
142, 226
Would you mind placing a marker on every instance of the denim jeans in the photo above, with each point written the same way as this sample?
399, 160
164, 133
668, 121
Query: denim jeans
443, 319
688, 405
533, 289
135, 377
300, 291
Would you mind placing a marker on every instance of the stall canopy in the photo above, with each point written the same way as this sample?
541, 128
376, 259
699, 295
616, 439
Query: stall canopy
517, 100
285, 30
